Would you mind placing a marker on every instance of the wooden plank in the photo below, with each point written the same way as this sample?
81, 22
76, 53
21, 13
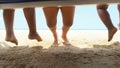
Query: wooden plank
4, 4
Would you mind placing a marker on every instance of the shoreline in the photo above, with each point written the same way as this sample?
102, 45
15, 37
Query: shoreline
76, 37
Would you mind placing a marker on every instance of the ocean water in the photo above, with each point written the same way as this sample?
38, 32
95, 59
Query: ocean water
86, 18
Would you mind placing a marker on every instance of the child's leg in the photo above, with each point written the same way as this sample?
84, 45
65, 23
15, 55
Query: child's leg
30, 17
8, 15
51, 18
105, 17
119, 15
68, 16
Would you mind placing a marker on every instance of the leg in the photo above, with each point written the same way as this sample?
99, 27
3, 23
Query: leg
30, 17
8, 15
68, 16
105, 17
119, 15
51, 18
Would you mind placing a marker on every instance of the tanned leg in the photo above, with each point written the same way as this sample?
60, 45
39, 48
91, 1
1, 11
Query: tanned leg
105, 17
30, 17
51, 18
119, 15
68, 16
8, 15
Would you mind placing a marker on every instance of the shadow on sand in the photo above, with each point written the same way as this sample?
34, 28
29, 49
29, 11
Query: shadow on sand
100, 56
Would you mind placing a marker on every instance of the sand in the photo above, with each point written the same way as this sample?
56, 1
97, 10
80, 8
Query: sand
89, 49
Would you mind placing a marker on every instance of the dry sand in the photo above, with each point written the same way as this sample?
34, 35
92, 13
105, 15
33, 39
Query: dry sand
90, 50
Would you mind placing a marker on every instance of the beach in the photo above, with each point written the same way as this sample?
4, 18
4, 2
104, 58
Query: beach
90, 49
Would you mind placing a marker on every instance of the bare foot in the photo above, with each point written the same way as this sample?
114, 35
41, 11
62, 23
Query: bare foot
55, 43
34, 36
111, 33
66, 42
11, 38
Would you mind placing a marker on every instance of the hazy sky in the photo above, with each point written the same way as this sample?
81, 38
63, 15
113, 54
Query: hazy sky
86, 17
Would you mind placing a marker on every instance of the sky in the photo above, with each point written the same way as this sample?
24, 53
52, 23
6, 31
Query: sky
86, 18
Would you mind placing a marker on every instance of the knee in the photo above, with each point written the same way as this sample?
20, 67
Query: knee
102, 6
69, 24
51, 24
